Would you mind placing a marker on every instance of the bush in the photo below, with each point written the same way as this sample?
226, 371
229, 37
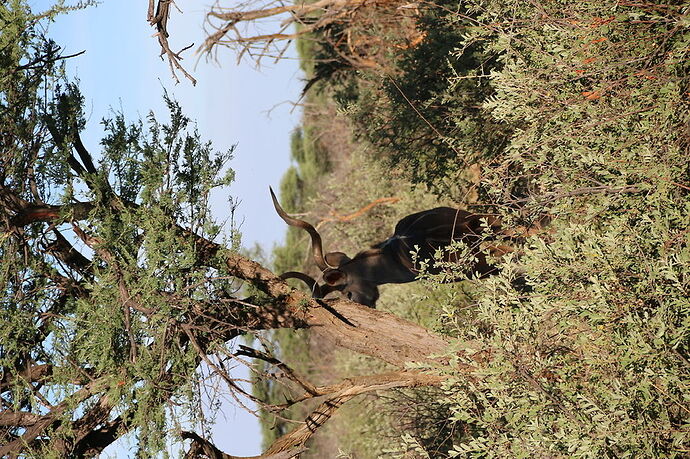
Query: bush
426, 115
594, 360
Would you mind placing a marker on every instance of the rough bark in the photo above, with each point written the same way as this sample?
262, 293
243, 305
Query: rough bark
348, 324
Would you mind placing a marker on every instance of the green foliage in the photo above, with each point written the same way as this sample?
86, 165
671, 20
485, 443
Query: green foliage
305, 46
26, 57
301, 181
593, 360
426, 116
577, 111
103, 328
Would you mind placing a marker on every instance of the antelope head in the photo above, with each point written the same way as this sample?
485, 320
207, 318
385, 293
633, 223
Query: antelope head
338, 271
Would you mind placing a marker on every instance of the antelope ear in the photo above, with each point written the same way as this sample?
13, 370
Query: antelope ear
334, 277
336, 259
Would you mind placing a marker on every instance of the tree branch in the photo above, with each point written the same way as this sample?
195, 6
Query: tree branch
159, 20
406, 342
201, 446
32, 433
289, 372
342, 393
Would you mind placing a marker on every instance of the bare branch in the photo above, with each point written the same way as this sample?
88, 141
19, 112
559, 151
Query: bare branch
292, 443
46, 59
19, 419
345, 218
159, 20
219, 371
306, 18
404, 342
32, 373
289, 372
84, 155
64, 251
202, 447
344, 392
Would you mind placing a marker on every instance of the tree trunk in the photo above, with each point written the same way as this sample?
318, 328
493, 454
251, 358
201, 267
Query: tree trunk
350, 325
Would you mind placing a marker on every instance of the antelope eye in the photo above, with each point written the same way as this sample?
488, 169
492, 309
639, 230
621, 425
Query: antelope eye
349, 295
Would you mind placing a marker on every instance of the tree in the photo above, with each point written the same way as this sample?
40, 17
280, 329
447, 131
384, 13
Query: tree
116, 294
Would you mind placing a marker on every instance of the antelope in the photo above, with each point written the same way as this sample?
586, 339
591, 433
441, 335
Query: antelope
392, 261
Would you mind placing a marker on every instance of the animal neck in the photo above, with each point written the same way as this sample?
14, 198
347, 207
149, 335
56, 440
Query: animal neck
379, 266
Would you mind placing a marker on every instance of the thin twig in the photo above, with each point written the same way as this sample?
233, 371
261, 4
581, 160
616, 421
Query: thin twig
289, 372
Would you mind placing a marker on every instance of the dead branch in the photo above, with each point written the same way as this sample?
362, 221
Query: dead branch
287, 371
159, 20
342, 393
305, 18
217, 370
293, 442
202, 447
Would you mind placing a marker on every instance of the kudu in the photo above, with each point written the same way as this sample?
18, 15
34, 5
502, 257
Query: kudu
392, 261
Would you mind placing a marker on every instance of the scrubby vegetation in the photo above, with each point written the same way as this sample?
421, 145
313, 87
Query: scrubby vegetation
120, 310
579, 111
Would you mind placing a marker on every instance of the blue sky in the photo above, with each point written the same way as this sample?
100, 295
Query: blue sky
231, 103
